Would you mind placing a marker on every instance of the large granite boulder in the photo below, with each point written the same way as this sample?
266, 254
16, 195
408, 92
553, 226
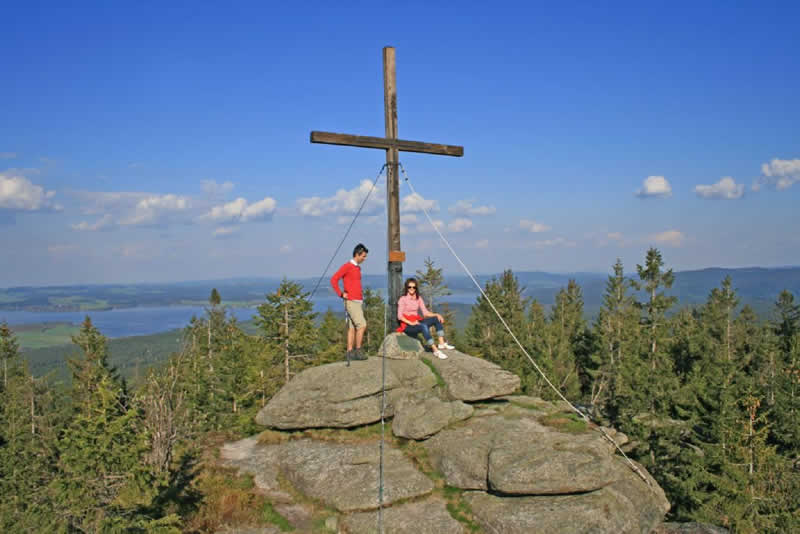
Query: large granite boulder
345, 476
521, 456
602, 511
418, 417
340, 396
398, 346
341, 475
421, 517
473, 379
520, 464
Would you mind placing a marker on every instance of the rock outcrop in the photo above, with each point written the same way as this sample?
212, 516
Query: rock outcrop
461, 453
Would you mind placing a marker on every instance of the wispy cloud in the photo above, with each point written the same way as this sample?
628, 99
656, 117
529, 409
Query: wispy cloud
555, 242
415, 203
8, 155
130, 209
655, 186
224, 232
102, 223
726, 189
466, 207
215, 189
673, 238
460, 224
533, 226
609, 238
154, 209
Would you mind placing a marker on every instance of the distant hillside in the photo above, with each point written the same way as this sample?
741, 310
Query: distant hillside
757, 286
130, 355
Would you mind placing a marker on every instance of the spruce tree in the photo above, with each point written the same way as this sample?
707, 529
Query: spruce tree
652, 277
9, 351
786, 321
286, 322
332, 338
486, 335
28, 429
431, 284
567, 327
379, 321
104, 482
617, 333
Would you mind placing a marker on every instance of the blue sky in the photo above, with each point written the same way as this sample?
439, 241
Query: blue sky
143, 143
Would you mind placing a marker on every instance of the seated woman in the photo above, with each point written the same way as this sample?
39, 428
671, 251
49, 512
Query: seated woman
409, 307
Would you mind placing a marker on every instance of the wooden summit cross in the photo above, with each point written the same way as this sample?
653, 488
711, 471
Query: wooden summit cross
392, 145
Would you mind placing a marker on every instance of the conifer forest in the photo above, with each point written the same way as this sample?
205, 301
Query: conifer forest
708, 394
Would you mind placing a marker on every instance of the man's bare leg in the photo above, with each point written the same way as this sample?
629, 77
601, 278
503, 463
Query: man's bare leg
360, 337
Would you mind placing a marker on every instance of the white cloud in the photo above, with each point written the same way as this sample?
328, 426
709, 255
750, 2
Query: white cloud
483, 243
8, 155
224, 231
239, 210
555, 242
465, 207
408, 218
344, 202
533, 226
213, 188
655, 186
285, 249
783, 173
460, 224
259, 211
672, 238
100, 224
98, 202
726, 189
609, 238
153, 209
416, 203
425, 226
19, 193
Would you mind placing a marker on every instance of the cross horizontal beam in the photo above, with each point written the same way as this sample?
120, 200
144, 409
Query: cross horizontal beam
364, 141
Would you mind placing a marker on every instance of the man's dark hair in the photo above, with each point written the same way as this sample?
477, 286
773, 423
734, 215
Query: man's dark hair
359, 249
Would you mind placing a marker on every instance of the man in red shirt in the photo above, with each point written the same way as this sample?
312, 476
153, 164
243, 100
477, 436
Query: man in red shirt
350, 274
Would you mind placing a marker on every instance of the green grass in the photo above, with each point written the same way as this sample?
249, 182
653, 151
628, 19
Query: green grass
439, 380
565, 422
270, 515
46, 335
82, 303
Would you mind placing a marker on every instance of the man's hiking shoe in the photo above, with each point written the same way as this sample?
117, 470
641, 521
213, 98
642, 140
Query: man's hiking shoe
439, 354
348, 356
358, 356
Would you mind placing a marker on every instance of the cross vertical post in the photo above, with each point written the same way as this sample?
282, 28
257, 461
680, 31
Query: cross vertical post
393, 146
394, 267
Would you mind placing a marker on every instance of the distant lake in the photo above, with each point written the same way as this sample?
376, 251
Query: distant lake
124, 322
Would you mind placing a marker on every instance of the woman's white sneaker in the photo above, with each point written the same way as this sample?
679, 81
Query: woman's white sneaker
439, 354
447, 346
